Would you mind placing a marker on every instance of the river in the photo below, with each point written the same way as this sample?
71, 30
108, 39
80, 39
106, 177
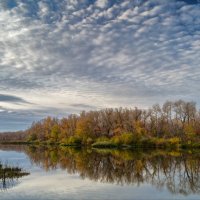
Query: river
89, 174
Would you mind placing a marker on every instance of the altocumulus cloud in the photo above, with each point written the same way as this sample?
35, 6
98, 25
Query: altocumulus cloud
62, 56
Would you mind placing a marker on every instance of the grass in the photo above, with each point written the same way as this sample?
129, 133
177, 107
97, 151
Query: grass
104, 144
125, 141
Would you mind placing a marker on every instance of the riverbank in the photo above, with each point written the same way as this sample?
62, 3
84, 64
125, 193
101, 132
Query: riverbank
106, 143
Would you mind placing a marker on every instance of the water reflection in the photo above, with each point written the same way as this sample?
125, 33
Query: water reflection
179, 172
9, 176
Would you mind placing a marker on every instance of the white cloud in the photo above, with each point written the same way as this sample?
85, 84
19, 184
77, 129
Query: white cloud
101, 3
99, 54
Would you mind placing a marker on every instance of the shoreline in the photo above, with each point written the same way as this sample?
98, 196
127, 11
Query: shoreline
105, 145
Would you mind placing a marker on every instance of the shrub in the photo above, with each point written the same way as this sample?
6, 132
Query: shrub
116, 140
89, 141
174, 142
74, 140
124, 139
103, 138
127, 138
104, 144
32, 137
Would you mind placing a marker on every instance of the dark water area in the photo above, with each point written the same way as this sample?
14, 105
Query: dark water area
69, 173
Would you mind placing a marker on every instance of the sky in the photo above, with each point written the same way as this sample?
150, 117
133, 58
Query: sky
63, 56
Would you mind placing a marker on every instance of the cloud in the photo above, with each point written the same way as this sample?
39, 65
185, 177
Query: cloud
10, 98
101, 3
83, 106
98, 53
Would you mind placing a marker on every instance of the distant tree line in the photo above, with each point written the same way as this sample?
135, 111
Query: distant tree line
174, 121
13, 136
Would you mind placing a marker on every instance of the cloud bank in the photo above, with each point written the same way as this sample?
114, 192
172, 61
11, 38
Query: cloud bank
63, 56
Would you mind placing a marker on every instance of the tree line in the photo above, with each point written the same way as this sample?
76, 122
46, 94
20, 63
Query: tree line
174, 121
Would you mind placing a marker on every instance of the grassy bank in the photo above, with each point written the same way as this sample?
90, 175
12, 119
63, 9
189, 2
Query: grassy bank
119, 142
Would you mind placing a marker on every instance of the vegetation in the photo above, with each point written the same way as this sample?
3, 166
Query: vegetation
9, 174
172, 125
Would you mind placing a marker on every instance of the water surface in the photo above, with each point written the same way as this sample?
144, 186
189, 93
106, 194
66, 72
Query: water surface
68, 173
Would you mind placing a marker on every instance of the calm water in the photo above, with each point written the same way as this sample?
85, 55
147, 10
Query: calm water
67, 173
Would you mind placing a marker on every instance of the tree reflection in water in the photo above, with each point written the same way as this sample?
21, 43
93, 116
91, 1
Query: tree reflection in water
179, 172
9, 176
